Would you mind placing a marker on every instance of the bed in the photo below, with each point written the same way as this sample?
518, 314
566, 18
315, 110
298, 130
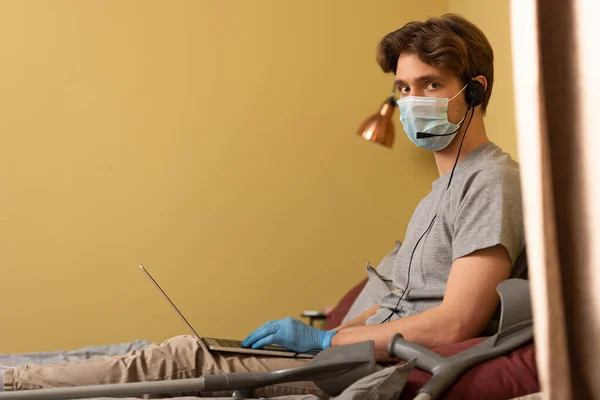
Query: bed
382, 385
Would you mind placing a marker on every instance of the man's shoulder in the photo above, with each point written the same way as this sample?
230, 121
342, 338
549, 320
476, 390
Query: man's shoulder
499, 175
497, 172
495, 166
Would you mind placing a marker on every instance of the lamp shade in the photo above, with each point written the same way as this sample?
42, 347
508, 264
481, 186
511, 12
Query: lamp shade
379, 127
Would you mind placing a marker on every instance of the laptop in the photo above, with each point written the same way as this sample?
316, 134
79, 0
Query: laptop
228, 345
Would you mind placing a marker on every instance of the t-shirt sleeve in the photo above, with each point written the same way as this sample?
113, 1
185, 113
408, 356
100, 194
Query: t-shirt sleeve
489, 213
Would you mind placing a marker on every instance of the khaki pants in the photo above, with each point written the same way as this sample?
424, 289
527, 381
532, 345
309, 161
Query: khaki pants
177, 358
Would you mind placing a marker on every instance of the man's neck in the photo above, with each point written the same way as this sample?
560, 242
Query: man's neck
476, 136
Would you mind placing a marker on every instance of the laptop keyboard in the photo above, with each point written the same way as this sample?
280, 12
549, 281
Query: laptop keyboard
237, 344
229, 343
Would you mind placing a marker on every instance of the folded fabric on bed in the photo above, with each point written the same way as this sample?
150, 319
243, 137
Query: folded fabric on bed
8, 361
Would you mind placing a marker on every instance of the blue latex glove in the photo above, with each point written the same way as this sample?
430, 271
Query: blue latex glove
290, 333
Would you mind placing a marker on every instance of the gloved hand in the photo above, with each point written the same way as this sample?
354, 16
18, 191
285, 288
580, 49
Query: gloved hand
290, 333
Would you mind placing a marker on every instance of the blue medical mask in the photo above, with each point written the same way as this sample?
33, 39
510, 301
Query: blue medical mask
428, 115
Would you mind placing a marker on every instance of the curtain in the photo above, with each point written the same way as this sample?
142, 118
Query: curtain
556, 66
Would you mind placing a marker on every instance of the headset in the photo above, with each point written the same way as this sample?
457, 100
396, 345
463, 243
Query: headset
474, 95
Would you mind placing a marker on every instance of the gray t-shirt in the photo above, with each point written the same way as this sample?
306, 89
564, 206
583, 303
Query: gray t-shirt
480, 209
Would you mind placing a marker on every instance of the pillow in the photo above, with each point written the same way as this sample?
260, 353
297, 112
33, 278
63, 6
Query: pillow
385, 384
508, 376
335, 316
378, 284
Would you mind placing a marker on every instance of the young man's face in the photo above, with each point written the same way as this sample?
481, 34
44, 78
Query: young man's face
415, 78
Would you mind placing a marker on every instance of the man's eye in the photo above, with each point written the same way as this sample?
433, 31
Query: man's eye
433, 86
404, 90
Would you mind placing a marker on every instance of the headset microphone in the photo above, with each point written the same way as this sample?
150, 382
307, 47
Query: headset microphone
425, 135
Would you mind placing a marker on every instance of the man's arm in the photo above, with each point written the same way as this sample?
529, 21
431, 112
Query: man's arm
469, 302
359, 320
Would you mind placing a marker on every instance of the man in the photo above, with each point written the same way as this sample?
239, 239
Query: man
461, 242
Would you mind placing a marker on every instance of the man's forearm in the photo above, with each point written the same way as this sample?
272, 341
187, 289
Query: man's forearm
430, 328
360, 320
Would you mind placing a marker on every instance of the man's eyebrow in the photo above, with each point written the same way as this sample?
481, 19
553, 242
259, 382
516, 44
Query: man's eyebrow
424, 78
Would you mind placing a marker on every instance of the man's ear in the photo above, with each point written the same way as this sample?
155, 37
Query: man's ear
481, 79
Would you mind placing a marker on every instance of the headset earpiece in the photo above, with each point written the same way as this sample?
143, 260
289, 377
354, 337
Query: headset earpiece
475, 93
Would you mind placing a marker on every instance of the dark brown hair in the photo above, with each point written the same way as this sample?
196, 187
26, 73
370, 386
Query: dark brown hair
449, 42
